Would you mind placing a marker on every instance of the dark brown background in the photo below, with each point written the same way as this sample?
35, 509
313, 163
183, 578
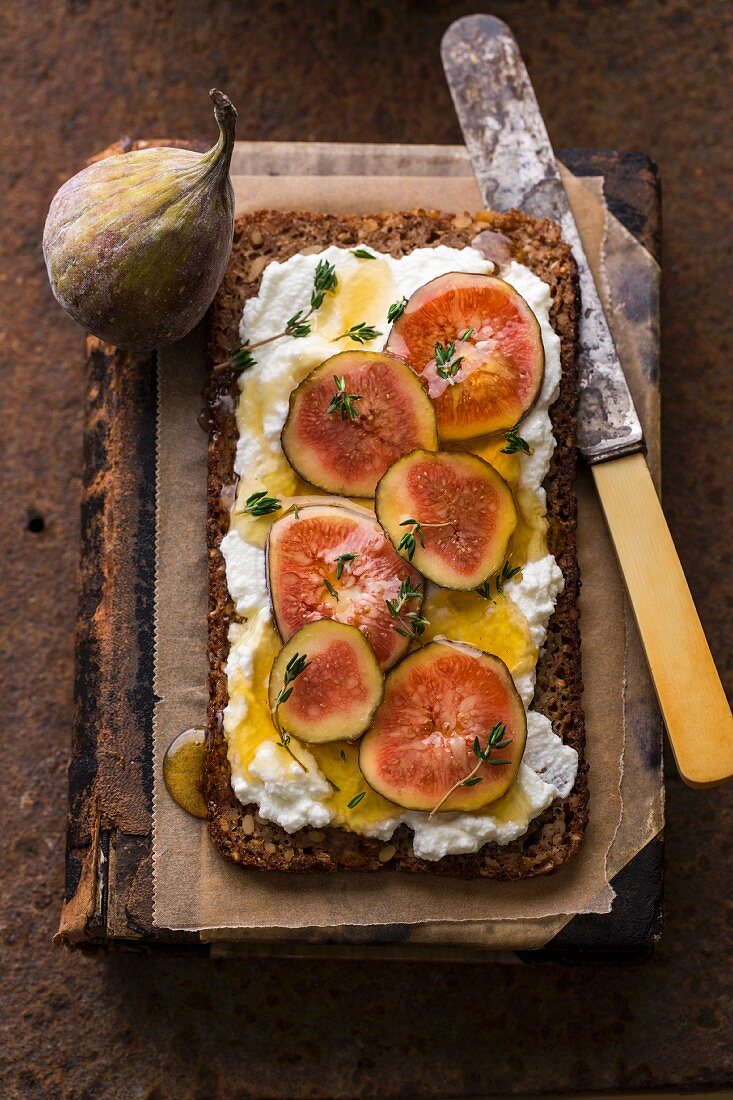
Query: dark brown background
643, 75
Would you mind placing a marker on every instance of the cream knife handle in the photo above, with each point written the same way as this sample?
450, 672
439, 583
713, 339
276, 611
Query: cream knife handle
690, 694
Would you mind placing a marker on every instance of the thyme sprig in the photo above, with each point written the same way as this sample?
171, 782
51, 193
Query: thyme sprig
416, 534
411, 625
507, 572
405, 594
445, 364
325, 282
361, 333
297, 664
343, 402
408, 624
243, 359
408, 541
259, 504
515, 444
341, 562
497, 739
396, 310
485, 590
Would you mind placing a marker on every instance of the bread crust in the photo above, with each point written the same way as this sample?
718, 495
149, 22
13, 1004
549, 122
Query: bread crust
236, 830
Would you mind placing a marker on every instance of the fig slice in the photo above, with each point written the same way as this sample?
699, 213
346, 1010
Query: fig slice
331, 561
352, 417
450, 513
337, 687
487, 371
441, 703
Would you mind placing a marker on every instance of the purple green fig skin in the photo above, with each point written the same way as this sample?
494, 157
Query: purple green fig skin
136, 244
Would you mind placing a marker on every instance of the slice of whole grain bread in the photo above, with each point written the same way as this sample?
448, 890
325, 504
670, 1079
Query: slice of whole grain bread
237, 831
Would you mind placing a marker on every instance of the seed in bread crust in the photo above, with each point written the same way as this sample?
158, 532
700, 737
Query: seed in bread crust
314, 836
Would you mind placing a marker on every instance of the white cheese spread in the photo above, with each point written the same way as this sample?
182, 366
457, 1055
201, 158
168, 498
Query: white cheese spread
262, 773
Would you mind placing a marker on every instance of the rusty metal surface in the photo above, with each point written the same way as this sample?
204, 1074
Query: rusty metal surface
76, 75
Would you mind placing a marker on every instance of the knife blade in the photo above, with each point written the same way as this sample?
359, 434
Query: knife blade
515, 166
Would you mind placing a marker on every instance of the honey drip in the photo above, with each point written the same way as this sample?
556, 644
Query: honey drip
183, 769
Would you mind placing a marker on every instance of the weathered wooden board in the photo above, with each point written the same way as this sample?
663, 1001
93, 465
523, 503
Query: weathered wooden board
109, 874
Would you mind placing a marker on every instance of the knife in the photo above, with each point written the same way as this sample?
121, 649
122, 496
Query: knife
515, 167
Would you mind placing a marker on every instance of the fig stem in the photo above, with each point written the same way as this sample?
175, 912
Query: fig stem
219, 157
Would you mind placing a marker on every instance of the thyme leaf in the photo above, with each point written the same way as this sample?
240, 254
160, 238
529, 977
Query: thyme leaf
485, 590
445, 364
356, 800
297, 326
396, 310
496, 739
243, 358
507, 572
259, 504
362, 254
412, 625
361, 333
515, 444
324, 282
297, 664
406, 593
341, 561
408, 624
330, 589
416, 534
343, 402
408, 542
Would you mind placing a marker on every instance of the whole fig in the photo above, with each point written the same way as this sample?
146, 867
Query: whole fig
136, 244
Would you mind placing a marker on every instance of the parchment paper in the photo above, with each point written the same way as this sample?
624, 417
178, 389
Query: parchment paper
195, 889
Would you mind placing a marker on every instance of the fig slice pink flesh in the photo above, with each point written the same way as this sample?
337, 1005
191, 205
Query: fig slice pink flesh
503, 359
346, 450
303, 555
465, 512
335, 696
437, 702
